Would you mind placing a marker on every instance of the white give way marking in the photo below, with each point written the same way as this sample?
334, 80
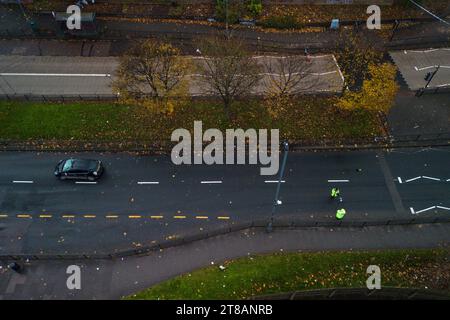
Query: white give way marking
428, 209
400, 180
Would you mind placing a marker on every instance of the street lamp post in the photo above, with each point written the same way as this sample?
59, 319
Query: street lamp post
432, 76
429, 77
277, 193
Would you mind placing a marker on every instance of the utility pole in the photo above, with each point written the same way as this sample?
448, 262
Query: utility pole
276, 203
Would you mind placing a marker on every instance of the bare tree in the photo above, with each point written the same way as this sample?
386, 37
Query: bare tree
151, 69
288, 75
227, 70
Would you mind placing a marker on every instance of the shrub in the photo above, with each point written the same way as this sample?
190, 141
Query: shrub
281, 22
235, 10
254, 7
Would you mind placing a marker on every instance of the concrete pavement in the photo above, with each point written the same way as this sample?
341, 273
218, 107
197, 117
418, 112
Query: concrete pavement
113, 279
426, 115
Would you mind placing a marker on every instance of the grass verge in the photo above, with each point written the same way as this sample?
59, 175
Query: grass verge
307, 119
277, 273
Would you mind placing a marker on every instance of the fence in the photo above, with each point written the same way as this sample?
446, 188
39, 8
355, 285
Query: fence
59, 97
261, 225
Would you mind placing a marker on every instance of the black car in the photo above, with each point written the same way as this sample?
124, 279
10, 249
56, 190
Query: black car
83, 169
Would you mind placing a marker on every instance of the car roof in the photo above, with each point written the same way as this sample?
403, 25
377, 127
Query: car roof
83, 164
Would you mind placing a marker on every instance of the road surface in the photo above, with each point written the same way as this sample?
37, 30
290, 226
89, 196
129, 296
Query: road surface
143, 199
415, 64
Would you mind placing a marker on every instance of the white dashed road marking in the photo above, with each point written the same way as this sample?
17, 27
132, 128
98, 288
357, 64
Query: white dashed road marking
211, 182
23, 181
339, 181
274, 181
148, 182
85, 182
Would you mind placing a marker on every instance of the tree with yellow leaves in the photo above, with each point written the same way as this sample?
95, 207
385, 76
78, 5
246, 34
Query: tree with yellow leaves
355, 52
377, 93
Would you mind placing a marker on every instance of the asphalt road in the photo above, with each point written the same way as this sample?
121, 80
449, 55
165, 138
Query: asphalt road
143, 199
415, 64
83, 76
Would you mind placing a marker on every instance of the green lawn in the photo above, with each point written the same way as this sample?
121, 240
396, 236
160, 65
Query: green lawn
276, 273
309, 118
62, 121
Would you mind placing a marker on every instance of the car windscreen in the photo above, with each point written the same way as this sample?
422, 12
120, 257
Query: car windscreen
67, 165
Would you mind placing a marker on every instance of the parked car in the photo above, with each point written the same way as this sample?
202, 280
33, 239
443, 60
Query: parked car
80, 169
